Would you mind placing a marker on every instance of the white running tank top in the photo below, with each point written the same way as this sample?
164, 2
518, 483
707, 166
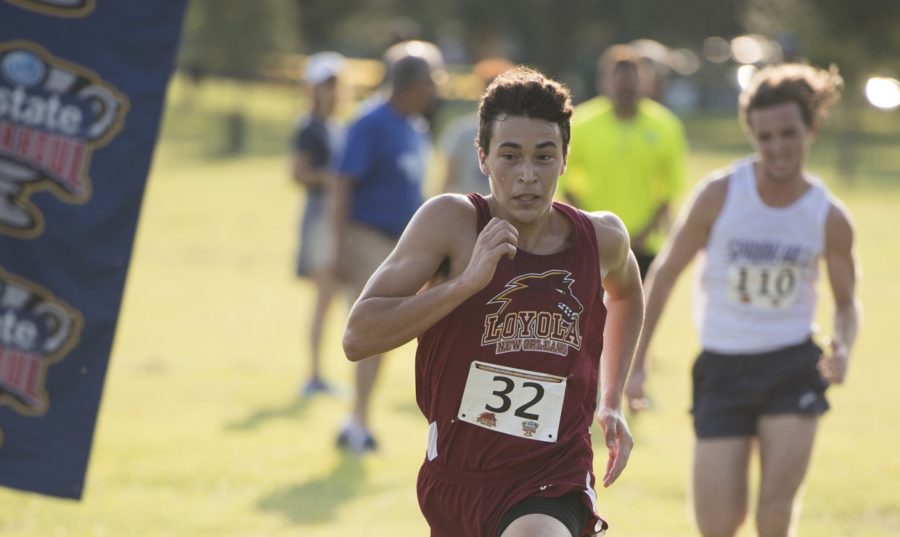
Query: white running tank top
755, 289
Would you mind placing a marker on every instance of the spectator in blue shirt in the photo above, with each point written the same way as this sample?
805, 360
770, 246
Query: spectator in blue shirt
377, 191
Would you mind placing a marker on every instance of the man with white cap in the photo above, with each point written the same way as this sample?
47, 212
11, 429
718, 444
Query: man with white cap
315, 148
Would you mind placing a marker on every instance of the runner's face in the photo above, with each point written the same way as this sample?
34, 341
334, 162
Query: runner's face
781, 139
524, 163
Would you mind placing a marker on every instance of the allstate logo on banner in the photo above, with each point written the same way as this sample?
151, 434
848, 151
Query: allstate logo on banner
53, 115
60, 8
36, 330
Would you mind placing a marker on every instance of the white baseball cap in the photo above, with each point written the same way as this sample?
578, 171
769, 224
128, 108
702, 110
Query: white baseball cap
322, 66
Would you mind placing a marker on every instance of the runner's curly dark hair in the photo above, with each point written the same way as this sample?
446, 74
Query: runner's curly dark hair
522, 91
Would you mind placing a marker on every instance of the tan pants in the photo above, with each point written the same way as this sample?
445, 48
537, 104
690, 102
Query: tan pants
366, 248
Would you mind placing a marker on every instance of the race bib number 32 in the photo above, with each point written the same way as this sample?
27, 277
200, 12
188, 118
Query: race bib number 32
513, 401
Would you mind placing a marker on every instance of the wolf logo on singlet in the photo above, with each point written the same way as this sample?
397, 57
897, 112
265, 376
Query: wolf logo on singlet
513, 328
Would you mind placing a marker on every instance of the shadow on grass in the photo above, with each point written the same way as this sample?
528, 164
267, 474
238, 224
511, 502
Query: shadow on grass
317, 501
292, 410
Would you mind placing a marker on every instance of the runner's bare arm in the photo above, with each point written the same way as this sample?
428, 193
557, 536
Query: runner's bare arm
397, 305
688, 237
840, 258
624, 300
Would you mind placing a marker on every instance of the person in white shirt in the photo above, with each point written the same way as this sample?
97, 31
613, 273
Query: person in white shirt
762, 227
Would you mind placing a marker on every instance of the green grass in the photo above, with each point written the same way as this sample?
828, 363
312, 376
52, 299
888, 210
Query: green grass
201, 431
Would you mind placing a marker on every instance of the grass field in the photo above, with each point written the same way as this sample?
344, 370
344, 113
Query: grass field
201, 431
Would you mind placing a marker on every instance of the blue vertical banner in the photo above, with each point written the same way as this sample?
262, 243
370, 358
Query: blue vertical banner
82, 85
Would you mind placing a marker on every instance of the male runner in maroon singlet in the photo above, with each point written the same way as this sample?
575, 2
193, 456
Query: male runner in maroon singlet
520, 305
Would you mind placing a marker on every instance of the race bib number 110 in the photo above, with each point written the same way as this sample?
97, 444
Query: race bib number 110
765, 287
513, 401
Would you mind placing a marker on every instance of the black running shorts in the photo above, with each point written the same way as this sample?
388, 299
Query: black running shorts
732, 391
568, 509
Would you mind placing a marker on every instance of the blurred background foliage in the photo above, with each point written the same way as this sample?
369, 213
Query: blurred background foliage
228, 37
703, 50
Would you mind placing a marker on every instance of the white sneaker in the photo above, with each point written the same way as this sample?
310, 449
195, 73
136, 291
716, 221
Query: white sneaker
354, 437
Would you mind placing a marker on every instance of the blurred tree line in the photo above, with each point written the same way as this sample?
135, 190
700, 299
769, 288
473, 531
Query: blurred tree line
563, 38
230, 37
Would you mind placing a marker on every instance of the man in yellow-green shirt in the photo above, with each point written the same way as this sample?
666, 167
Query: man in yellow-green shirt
627, 155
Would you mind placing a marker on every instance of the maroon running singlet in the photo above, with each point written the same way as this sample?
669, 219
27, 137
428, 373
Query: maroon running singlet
508, 384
